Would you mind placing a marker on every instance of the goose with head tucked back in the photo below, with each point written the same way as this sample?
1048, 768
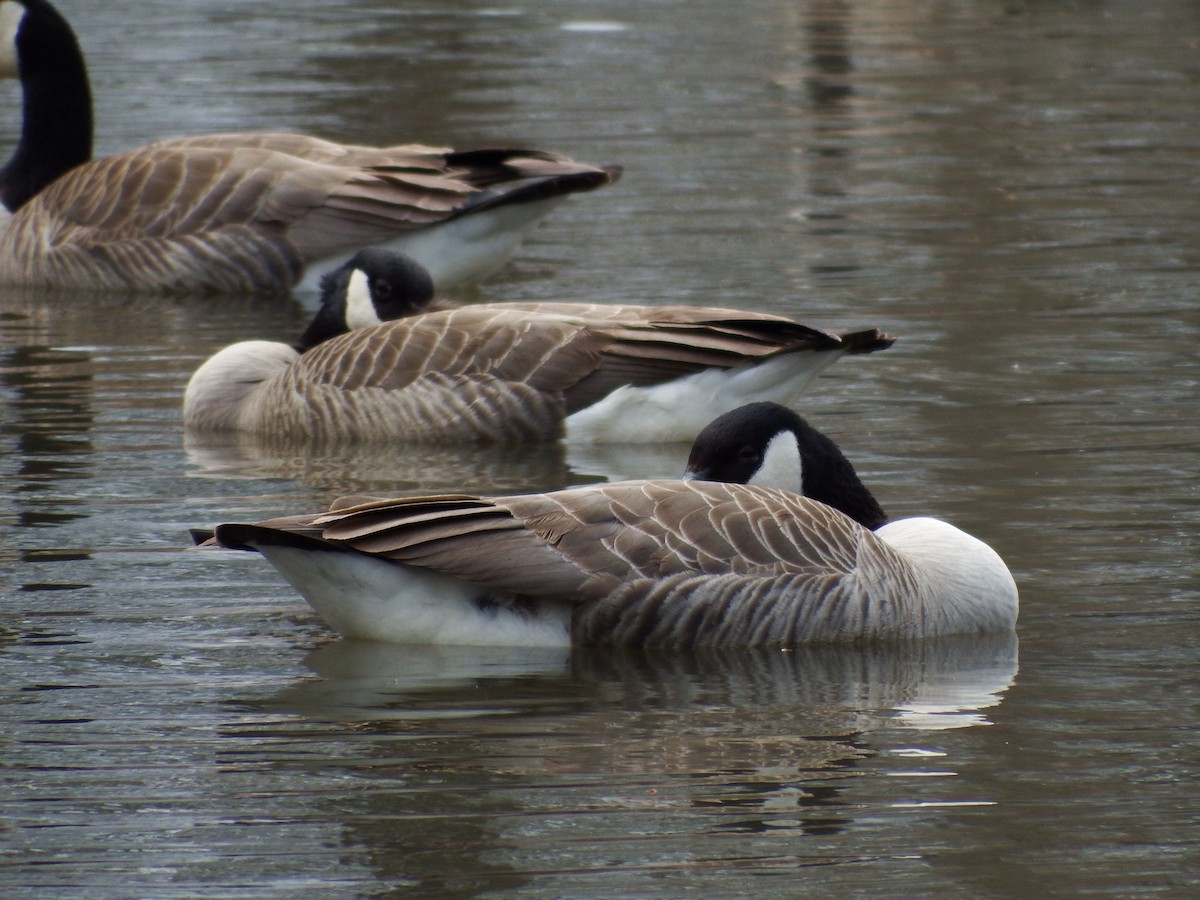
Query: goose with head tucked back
241, 212
649, 563
502, 372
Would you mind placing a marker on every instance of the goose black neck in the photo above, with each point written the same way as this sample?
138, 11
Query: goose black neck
56, 132
828, 477
733, 448
329, 322
330, 319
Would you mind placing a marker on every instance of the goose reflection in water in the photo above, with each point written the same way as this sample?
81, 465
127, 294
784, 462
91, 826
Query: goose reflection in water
758, 740
935, 683
365, 468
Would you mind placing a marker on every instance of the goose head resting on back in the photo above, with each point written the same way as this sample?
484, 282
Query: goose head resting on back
373, 286
650, 563
503, 372
256, 212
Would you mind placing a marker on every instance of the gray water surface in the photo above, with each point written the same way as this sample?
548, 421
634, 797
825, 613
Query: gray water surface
1009, 187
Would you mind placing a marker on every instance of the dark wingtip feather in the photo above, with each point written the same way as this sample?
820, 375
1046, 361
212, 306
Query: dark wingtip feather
237, 536
542, 189
867, 341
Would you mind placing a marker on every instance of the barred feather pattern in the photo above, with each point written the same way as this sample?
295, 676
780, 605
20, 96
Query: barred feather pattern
670, 563
238, 212
499, 372
728, 610
432, 409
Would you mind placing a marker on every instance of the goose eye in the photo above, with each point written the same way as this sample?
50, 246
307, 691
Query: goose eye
383, 289
749, 455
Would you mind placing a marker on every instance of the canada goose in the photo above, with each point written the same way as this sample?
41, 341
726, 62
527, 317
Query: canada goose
504, 372
240, 212
689, 562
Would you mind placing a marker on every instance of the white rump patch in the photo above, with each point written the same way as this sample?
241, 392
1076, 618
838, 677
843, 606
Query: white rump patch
679, 409
460, 251
220, 390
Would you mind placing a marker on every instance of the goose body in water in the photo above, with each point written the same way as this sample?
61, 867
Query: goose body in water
651, 563
503, 372
241, 212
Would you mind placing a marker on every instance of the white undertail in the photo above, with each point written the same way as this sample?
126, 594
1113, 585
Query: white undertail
374, 599
678, 410
463, 250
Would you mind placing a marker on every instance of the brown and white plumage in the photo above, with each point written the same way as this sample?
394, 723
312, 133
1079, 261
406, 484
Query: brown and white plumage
242, 212
642, 563
512, 372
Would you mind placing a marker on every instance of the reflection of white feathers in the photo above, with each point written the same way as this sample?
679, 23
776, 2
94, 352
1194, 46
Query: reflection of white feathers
377, 468
950, 696
922, 685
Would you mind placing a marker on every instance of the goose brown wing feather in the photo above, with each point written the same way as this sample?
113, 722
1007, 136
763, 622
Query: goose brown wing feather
867, 341
645, 563
610, 533
438, 168
285, 199
155, 193
585, 351
315, 149
476, 168
541, 352
668, 527
474, 539
661, 345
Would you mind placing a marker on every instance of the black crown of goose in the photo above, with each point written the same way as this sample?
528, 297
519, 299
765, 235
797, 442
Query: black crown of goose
732, 448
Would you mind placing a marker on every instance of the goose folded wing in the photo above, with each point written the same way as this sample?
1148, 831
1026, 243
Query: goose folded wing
471, 538
673, 342
417, 157
164, 190
544, 353
655, 529
691, 563
604, 533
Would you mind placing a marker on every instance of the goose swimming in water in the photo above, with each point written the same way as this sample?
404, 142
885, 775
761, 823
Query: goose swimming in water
503, 372
241, 212
650, 563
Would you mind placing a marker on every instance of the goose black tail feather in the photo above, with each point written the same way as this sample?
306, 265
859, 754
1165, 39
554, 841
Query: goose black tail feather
237, 536
541, 189
867, 341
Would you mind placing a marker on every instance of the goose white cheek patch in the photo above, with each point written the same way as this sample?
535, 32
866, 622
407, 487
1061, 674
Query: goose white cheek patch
360, 310
781, 466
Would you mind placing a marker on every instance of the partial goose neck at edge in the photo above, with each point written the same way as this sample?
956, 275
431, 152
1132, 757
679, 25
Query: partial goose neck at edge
56, 131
